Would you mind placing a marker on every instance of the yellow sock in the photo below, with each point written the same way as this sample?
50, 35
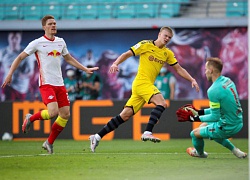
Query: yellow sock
45, 114
61, 122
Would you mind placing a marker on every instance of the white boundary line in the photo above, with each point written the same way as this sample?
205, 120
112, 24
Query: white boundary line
33, 155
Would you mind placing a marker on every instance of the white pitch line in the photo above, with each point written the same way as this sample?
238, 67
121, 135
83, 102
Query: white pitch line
33, 155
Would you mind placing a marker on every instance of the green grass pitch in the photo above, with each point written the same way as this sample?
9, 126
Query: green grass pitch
120, 160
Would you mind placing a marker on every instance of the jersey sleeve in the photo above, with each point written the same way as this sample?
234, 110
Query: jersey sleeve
213, 115
139, 47
171, 58
31, 48
65, 49
207, 111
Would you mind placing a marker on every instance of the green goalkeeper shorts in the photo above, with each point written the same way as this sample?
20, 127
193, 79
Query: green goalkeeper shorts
214, 131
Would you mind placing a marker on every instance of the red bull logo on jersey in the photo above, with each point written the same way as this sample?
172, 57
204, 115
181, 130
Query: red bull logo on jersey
54, 53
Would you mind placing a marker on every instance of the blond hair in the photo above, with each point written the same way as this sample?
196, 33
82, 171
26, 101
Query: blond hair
215, 62
169, 29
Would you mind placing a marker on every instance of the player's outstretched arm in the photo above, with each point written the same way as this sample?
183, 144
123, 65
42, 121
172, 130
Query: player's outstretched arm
69, 59
114, 67
183, 73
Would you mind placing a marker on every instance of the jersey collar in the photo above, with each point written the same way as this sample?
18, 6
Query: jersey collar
48, 38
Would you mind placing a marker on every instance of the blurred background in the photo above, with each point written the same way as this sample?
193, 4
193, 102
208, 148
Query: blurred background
97, 32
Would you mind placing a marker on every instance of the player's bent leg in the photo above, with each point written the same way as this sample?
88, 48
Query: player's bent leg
26, 124
198, 143
192, 152
56, 129
225, 142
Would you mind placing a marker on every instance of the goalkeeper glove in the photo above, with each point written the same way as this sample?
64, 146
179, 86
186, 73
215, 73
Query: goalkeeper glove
194, 118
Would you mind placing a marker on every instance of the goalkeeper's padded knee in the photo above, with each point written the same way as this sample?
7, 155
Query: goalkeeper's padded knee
192, 134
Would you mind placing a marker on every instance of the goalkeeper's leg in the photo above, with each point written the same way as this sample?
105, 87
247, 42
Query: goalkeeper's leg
198, 143
205, 130
227, 144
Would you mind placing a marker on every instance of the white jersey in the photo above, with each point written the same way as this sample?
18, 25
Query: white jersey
48, 54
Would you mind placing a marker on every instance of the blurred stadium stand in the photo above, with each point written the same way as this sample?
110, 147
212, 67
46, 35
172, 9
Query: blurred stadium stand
121, 11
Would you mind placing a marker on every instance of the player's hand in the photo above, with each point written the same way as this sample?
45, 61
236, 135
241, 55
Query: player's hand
195, 84
193, 110
90, 70
183, 115
7, 81
194, 119
187, 113
113, 68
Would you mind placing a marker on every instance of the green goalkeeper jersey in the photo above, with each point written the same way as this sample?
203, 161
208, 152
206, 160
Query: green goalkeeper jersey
225, 107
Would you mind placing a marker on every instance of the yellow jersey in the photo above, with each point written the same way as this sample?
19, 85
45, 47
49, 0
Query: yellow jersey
152, 58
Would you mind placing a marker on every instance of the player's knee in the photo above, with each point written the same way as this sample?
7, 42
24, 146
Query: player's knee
195, 133
125, 117
164, 104
65, 114
192, 134
53, 113
126, 113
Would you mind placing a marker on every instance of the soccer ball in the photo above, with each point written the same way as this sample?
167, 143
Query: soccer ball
7, 136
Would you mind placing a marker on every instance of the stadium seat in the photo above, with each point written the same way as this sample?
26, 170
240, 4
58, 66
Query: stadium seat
125, 11
234, 8
168, 10
88, 11
12, 12
52, 8
105, 10
32, 11
1, 11
145, 10
70, 10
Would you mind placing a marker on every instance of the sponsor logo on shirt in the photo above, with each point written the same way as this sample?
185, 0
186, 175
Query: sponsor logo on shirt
54, 53
152, 58
137, 45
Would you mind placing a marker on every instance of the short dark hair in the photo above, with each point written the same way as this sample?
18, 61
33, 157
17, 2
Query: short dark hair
215, 62
45, 18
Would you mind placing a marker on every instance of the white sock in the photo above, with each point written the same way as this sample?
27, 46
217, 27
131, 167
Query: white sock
98, 138
147, 132
235, 150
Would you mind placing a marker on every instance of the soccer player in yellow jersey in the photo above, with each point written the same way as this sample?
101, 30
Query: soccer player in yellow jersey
153, 55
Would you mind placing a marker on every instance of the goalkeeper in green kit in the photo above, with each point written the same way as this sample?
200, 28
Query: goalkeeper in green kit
224, 117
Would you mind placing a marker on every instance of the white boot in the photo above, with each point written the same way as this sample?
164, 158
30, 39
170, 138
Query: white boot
238, 153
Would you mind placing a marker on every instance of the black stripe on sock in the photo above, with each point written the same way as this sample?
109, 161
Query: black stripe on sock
111, 125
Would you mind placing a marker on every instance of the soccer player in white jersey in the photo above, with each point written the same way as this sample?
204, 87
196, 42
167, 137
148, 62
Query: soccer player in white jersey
21, 78
48, 50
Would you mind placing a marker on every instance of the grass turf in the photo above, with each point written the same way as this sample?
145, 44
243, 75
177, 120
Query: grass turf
120, 160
